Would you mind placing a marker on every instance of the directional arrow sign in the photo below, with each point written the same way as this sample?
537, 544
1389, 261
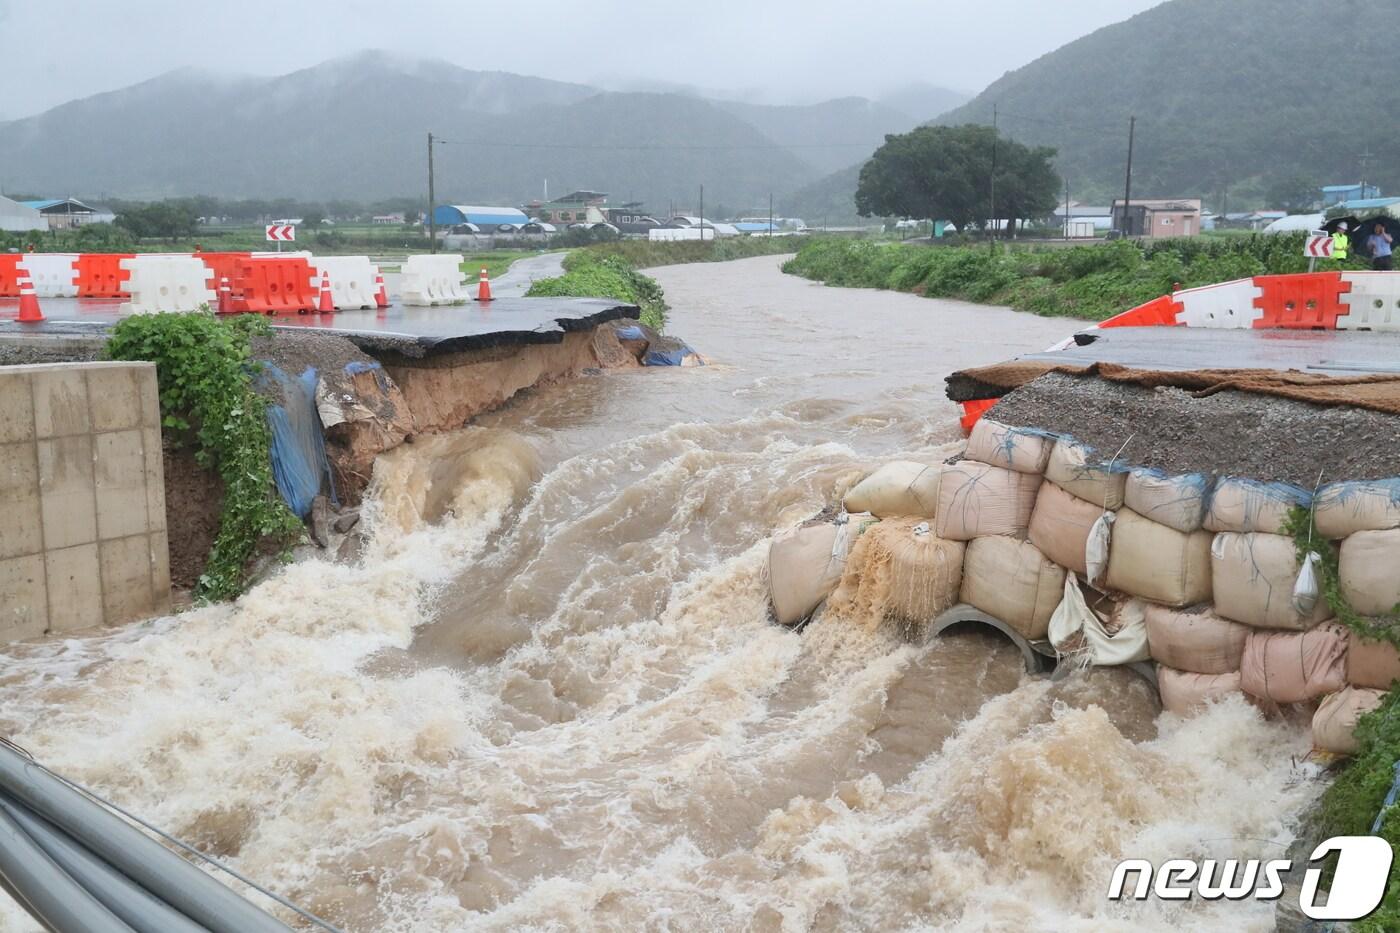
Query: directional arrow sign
280, 232
1318, 247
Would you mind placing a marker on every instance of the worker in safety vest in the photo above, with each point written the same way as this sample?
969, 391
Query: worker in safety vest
1341, 243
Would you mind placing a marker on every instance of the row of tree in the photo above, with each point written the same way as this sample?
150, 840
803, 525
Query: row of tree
967, 174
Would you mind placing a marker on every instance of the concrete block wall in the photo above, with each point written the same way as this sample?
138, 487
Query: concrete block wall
82, 498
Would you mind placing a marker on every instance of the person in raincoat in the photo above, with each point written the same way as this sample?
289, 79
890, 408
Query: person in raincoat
1341, 243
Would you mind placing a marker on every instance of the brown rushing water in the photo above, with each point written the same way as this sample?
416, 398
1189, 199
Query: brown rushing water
549, 698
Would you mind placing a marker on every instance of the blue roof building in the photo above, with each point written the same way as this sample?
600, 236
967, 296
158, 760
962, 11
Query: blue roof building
1336, 194
485, 218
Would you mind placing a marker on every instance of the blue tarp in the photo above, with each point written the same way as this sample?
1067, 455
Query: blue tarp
630, 332
299, 463
666, 357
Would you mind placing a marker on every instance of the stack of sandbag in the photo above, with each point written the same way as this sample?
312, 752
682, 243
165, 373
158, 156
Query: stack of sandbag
1371, 668
899, 570
1253, 576
1294, 667
1198, 656
806, 563
900, 488
1244, 505
1342, 509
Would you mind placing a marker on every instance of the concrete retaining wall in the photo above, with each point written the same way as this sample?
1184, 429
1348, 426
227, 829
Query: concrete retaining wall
82, 498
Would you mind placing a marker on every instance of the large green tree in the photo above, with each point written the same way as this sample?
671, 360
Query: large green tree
945, 173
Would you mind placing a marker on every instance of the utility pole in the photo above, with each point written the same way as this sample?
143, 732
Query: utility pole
994, 173
1066, 207
1128, 185
432, 201
702, 213
770, 215
1365, 165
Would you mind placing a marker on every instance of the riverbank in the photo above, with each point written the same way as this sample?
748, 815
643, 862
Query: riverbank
1093, 282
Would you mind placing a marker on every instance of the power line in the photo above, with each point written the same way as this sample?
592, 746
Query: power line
646, 147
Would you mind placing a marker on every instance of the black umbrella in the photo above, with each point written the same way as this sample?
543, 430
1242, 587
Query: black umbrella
1352, 224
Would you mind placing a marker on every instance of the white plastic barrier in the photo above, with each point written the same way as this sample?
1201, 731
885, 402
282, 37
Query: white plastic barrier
351, 278
433, 280
1228, 305
167, 283
53, 274
1373, 302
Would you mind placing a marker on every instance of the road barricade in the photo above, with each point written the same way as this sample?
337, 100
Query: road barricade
54, 274
1226, 305
1306, 301
268, 285
222, 266
166, 283
1372, 300
100, 275
9, 275
352, 280
433, 280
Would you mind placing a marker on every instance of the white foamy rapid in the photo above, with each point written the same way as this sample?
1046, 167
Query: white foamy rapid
549, 696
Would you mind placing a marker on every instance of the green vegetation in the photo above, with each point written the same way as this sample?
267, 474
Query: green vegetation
1349, 806
591, 275
496, 262
643, 254
207, 400
946, 172
1094, 281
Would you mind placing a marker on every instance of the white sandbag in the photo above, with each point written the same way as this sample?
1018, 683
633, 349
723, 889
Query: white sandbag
1307, 588
975, 499
1253, 577
805, 564
1291, 667
1060, 525
899, 488
1075, 630
1196, 640
1371, 663
1009, 448
898, 569
1175, 501
1244, 505
1158, 563
1012, 581
1342, 509
1370, 571
1334, 723
1098, 548
1186, 693
1077, 469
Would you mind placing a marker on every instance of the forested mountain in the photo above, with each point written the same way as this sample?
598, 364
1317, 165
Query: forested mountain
356, 128
1237, 93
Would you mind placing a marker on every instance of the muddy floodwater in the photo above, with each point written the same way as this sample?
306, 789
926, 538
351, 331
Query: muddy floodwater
549, 698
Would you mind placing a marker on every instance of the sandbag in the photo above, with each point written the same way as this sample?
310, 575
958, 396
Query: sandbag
1175, 501
975, 499
898, 569
1158, 563
1012, 581
1252, 578
1334, 723
1060, 526
1186, 693
1076, 631
899, 488
1196, 641
1342, 509
1009, 448
1243, 505
1073, 467
1370, 571
1291, 667
1374, 664
805, 564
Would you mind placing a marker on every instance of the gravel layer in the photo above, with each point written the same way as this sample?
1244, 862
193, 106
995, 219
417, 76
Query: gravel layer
1229, 433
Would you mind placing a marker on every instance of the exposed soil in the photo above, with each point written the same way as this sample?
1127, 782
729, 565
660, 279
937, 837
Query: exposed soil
1229, 433
294, 353
194, 498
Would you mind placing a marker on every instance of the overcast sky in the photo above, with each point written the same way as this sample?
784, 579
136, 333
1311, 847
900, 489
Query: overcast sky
770, 50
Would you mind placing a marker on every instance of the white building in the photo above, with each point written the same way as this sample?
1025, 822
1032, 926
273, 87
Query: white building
19, 218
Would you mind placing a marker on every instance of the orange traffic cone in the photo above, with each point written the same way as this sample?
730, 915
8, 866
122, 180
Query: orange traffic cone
326, 304
225, 297
29, 312
381, 296
483, 291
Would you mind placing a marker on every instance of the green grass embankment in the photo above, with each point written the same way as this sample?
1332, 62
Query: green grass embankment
589, 274
1094, 281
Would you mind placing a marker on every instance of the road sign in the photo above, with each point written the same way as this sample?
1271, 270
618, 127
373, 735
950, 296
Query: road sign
281, 232
1318, 246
